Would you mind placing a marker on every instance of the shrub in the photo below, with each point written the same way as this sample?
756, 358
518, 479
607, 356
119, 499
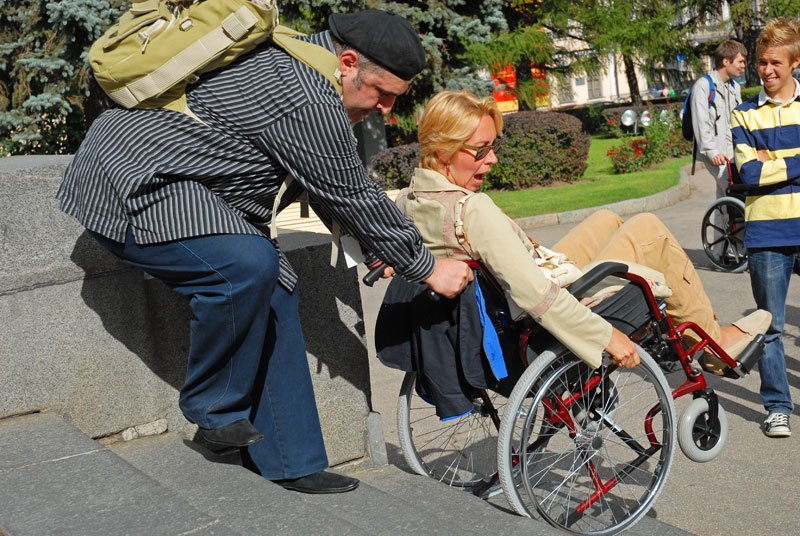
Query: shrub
539, 148
595, 120
591, 117
628, 157
614, 115
392, 168
662, 140
750, 92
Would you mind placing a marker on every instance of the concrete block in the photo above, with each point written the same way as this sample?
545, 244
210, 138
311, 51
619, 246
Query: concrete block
87, 336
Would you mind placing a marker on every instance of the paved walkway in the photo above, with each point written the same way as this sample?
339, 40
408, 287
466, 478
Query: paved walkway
751, 487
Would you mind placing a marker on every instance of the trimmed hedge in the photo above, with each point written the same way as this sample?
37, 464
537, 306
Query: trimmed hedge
538, 148
750, 92
591, 117
392, 168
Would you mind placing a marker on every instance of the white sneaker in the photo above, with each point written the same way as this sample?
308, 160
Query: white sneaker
777, 425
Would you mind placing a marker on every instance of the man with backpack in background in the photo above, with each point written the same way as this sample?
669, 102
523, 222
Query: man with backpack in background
766, 134
712, 99
190, 198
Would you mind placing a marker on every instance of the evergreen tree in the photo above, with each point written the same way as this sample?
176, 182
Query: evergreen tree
48, 97
44, 80
446, 27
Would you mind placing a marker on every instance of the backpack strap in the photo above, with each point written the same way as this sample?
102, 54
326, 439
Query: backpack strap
273, 226
232, 29
458, 223
712, 93
712, 90
318, 58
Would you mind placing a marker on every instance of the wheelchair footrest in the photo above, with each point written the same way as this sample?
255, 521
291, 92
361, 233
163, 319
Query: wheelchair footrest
749, 357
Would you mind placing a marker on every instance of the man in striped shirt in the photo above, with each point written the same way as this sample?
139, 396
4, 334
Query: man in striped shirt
766, 138
190, 200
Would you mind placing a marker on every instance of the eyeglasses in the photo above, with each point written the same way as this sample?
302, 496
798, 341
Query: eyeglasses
484, 150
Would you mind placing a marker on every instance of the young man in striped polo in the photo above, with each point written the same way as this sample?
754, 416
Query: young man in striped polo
766, 138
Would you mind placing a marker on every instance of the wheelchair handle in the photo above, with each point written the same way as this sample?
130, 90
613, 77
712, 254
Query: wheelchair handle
374, 274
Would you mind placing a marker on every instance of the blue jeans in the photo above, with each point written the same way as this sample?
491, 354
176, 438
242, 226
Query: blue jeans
770, 271
247, 357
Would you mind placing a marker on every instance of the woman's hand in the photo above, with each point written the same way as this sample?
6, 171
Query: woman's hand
622, 350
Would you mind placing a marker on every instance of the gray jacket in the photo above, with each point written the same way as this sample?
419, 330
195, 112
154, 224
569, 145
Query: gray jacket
712, 123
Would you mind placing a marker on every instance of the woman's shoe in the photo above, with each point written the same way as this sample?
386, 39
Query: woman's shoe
755, 323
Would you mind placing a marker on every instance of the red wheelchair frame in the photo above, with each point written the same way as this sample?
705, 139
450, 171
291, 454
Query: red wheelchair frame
658, 336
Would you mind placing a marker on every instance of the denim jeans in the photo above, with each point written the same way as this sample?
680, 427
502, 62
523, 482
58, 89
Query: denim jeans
770, 272
247, 356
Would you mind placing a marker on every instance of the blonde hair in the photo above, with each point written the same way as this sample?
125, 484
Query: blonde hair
780, 32
450, 119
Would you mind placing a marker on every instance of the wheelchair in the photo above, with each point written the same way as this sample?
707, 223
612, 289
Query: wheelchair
586, 450
722, 229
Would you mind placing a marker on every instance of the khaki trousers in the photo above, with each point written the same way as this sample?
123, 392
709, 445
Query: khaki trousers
644, 239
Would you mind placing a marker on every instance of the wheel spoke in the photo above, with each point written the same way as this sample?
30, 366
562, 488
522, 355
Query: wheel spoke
459, 452
604, 473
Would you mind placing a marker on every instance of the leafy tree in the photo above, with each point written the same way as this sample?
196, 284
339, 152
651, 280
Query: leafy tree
45, 89
524, 47
748, 22
640, 31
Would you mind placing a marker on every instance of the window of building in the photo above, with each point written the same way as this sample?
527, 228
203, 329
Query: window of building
565, 94
595, 86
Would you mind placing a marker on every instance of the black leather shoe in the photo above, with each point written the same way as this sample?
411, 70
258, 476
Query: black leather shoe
322, 482
239, 433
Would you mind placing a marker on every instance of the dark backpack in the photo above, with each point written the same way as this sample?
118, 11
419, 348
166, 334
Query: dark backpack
686, 121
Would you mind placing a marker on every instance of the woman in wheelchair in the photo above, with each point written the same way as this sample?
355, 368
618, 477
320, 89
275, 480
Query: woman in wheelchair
459, 137
577, 433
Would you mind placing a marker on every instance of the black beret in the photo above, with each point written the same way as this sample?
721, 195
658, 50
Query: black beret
387, 39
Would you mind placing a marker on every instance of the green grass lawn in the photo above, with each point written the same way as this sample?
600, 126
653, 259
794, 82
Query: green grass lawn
598, 186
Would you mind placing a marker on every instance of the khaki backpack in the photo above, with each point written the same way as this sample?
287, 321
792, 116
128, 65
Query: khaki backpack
158, 47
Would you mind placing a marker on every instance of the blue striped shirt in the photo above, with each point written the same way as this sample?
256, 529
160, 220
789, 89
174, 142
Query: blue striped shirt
264, 117
772, 209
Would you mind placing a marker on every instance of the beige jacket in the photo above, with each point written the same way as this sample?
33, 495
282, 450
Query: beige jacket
495, 240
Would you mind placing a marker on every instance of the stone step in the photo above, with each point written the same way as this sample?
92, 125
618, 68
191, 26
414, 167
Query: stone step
458, 506
251, 504
483, 517
223, 489
56, 480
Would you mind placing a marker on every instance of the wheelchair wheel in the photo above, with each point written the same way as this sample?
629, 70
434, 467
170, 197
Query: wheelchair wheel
460, 452
702, 439
588, 450
724, 242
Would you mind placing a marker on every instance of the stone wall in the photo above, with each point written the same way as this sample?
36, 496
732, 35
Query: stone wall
86, 336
